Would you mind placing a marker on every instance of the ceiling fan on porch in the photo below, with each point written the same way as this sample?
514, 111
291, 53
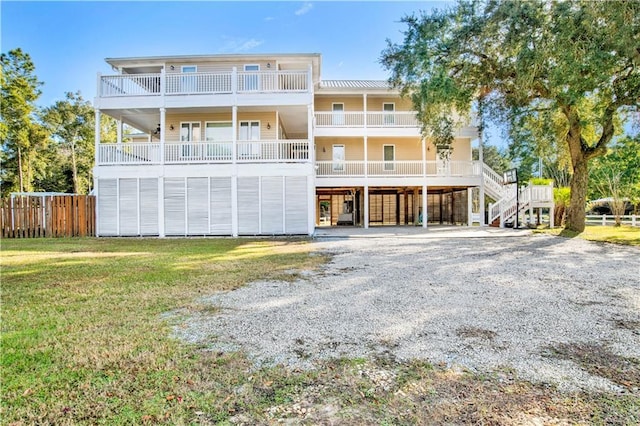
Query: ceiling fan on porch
158, 129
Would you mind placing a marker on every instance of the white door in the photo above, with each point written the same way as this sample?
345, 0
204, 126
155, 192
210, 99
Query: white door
190, 139
338, 114
251, 78
389, 153
189, 83
389, 117
219, 137
338, 158
249, 131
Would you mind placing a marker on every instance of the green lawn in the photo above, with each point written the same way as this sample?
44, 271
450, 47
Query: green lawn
85, 341
626, 235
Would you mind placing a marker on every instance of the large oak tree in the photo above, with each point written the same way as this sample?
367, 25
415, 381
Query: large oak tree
578, 60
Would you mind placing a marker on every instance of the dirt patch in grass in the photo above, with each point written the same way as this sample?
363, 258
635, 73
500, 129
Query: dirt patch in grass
600, 361
471, 332
355, 392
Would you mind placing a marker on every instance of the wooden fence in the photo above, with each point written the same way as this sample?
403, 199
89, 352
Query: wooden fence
48, 216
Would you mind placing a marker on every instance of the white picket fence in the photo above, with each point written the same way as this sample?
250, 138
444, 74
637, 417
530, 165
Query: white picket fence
609, 219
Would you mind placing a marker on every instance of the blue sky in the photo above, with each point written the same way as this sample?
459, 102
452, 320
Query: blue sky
68, 41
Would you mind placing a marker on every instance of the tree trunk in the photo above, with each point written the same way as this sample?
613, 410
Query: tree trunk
20, 169
74, 169
576, 214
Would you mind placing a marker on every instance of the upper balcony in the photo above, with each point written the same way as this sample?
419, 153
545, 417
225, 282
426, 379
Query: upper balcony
204, 89
376, 123
203, 152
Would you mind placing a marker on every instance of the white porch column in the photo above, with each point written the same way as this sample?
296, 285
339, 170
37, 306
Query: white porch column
97, 136
481, 196
424, 158
310, 135
366, 207
234, 130
366, 157
364, 111
234, 172
424, 206
469, 206
163, 119
119, 131
551, 217
311, 180
96, 162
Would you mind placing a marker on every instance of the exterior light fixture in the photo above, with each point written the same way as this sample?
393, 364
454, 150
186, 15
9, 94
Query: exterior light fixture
268, 126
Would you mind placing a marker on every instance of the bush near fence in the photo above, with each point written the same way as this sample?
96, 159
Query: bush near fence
48, 216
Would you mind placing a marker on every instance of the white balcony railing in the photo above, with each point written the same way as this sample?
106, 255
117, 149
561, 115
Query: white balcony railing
128, 153
260, 151
392, 119
204, 83
370, 119
339, 119
198, 152
397, 168
130, 85
288, 150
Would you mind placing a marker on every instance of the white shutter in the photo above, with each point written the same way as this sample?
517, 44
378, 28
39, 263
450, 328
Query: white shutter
220, 206
296, 212
248, 205
149, 206
174, 205
128, 206
198, 206
272, 205
107, 207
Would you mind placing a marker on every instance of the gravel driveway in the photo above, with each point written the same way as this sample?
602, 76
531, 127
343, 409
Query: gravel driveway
478, 300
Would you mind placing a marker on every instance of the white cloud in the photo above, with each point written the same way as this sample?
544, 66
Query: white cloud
269, 18
233, 44
249, 44
304, 9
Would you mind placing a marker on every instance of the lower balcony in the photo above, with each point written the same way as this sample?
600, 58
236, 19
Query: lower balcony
360, 169
257, 151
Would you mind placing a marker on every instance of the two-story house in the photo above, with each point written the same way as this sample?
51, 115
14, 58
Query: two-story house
261, 145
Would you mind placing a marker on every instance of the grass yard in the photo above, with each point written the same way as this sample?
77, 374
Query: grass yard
626, 235
85, 341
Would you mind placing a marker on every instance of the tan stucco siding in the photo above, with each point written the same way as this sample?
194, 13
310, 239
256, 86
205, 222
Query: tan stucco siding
374, 104
353, 148
219, 66
263, 117
325, 104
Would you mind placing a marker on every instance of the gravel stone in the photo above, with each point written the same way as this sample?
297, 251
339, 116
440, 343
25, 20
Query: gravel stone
474, 299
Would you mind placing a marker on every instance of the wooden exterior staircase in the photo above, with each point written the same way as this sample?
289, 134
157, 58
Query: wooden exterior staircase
508, 204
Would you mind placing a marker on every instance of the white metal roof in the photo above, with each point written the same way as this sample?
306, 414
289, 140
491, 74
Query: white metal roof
355, 84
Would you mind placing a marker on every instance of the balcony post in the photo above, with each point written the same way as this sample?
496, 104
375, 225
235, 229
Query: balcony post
311, 149
424, 159
119, 131
234, 80
234, 155
365, 118
163, 83
310, 79
163, 118
99, 86
424, 206
482, 177
97, 137
470, 206
366, 157
366, 207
